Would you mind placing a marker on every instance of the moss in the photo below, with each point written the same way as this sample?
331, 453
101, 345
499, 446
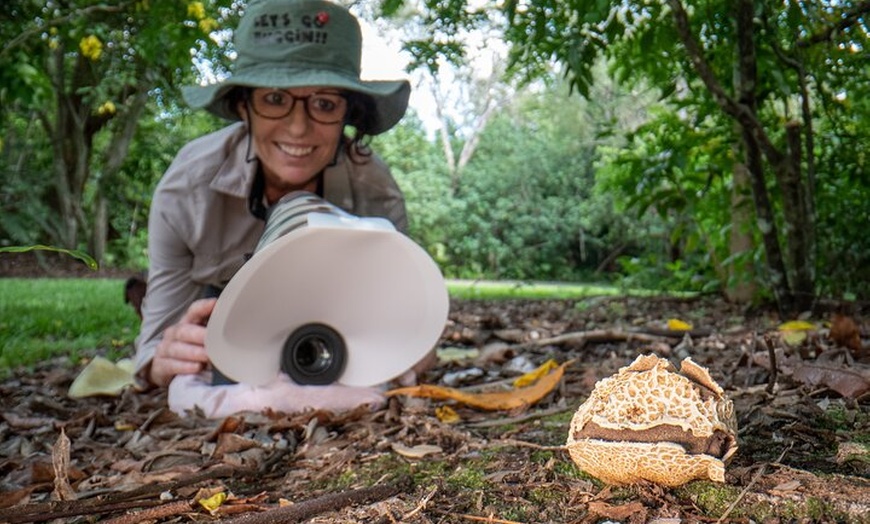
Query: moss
810, 509
713, 498
546, 496
467, 477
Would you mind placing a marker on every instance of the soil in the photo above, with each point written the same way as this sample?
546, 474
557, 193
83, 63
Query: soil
803, 420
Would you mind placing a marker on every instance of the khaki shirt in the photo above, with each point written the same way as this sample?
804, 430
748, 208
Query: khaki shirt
200, 229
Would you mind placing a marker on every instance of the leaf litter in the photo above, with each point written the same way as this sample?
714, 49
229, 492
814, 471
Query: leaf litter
802, 403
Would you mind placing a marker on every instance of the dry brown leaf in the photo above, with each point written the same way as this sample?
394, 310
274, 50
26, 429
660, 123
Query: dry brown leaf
496, 401
232, 443
60, 464
618, 512
849, 383
845, 332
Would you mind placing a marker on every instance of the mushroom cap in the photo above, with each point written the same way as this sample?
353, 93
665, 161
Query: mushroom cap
649, 422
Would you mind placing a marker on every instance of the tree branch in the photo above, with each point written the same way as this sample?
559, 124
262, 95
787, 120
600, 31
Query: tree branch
78, 13
330, 502
849, 18
733, 108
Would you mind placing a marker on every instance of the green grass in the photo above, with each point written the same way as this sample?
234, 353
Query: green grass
494, 290
47, 317
44, 318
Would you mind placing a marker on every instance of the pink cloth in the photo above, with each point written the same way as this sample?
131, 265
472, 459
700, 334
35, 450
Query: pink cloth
187, 392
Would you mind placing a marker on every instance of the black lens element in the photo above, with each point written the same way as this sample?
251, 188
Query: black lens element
314, 354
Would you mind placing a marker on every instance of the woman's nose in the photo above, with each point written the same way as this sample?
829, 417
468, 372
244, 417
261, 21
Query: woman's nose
297, 120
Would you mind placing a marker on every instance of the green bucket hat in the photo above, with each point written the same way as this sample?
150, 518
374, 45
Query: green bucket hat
299, 43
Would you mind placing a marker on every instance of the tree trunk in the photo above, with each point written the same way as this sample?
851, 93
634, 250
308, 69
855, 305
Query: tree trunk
757, 143
117, 151
798, 223
746, 88
741, 287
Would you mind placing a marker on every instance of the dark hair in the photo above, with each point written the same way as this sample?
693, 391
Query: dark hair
361, 116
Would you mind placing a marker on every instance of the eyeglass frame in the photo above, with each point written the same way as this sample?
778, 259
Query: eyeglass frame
249, 100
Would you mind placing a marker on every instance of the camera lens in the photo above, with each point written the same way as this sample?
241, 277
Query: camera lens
314, 354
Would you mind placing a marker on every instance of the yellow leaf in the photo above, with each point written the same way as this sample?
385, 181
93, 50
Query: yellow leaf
794, 338
797, 325
503, 400
211, 504
447, 415
532, 376
675, 324
121, 425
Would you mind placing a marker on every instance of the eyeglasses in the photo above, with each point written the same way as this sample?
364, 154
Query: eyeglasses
322, 107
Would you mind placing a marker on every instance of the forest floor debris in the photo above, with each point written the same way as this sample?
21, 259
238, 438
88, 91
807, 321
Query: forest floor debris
804, 438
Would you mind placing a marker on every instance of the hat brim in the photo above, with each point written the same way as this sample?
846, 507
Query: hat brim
390, 96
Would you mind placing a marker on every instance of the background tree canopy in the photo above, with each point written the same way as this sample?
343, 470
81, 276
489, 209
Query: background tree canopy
714, 145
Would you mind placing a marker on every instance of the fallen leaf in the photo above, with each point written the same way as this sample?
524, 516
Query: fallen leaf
675, 324
503, 400
618, 512
533, 376
791, 485
845, 332
418, 451
102, 377
797, 325
847, 382
60, 464
794, 338
211, 504
447, 415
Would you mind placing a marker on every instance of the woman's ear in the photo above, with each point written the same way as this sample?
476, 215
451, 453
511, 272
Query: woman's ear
242, 110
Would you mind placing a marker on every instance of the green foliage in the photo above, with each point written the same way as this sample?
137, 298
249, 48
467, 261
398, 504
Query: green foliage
635, 178
84, 257
74, 80
810, 68
421, 172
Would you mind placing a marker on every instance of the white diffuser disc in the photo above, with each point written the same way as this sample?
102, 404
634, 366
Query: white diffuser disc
377, 288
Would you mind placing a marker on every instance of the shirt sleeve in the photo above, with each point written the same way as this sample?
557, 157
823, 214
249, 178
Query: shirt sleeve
170, 287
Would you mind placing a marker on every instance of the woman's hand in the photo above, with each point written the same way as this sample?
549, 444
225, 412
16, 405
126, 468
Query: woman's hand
182, 349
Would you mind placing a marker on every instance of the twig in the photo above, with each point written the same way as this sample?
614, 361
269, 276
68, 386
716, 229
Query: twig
752, 482
771, 352
421, 506
171, 509
116, 501
518, 419
524, 444
475, 518
581, 338
42, 512
330, 502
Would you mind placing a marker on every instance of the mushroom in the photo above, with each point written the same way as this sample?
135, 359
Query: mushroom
649, 422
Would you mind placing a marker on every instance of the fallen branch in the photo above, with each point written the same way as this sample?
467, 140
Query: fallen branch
475, 518
581, 338
179, 507
118, 501
505, 421
330, 502
752, 482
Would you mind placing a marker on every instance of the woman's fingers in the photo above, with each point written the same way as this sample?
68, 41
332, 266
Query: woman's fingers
182, 349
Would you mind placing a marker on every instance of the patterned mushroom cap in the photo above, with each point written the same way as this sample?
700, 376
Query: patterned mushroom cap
650, 422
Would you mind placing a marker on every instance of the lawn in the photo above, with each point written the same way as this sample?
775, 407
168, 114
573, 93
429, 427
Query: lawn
43, 318
46, 317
